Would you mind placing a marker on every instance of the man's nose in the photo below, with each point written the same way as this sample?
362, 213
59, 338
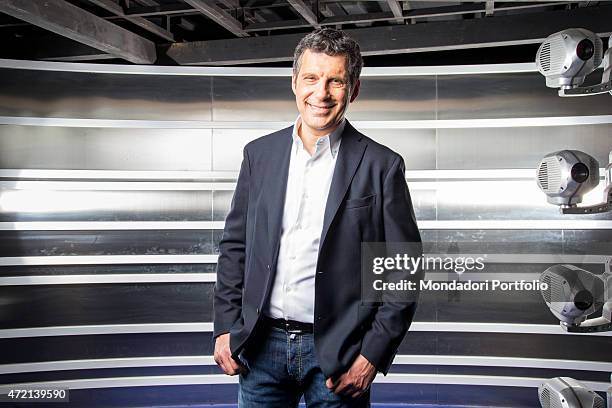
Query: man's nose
322, 90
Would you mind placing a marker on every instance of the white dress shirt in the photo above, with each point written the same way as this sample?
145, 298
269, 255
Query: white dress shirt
308, 184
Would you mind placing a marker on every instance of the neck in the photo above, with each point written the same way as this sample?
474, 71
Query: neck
310, 136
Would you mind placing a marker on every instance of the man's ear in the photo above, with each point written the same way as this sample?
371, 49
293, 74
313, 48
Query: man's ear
293, 79
355, 91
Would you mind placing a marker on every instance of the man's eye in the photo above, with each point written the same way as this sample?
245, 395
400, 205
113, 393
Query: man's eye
338, 82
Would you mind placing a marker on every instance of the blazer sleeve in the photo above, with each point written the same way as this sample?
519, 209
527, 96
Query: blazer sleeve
227, 302
394, 316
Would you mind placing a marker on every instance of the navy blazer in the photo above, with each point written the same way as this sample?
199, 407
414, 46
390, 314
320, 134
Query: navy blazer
368, 201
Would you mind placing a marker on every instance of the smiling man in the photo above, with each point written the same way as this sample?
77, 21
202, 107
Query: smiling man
289, 317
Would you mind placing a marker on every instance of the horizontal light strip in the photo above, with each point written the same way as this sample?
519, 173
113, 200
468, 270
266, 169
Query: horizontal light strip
109, 225
196, 259
30, 280
219, 225
153, 175
153, 381
114, 185
108, 278
174, 361
210, 186
148, 328
107, 260
515, 225
187, 175
257, 72
504, 328
486, 361
390, 124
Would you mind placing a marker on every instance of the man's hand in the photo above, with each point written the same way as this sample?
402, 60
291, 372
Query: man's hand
356, 380
223, 356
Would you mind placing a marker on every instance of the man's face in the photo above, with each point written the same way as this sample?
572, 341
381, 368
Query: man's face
322, 91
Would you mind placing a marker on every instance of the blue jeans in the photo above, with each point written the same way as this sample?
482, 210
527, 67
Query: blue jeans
283, 367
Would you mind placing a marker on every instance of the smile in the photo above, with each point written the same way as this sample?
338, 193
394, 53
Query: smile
320, 108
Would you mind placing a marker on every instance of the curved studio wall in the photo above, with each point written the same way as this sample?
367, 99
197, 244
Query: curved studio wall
115, 181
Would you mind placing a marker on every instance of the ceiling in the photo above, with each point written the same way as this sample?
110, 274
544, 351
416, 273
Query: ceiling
265, 32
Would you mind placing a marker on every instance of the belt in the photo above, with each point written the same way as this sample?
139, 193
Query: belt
290, 326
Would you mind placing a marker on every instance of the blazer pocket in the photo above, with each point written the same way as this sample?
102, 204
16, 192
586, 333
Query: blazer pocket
360, 202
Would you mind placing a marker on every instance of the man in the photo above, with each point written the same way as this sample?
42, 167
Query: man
289, 317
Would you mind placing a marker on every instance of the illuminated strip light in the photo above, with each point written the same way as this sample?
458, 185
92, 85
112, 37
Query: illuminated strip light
108, 278
114, 185
151, 328
482, 174
259, 71
174, 361
371, 124
515, 224
219, 225
107, 260
30, 280
207, 259
393, 378
109, 225
184, 175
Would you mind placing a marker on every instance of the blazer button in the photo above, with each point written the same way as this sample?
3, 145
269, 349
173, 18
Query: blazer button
257, 311
268, 266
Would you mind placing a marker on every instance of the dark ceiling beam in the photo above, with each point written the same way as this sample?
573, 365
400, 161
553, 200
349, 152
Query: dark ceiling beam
218, 15
520, 29
161, 10
305, 11
70, 21
442, 11
230, 4
141, 22
147, 2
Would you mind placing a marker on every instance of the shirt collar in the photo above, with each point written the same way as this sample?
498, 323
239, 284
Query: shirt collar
333, 137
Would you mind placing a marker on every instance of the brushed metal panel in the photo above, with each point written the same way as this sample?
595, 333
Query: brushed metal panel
35, 306
55, 270
41, 205
104, 96
395, 98
253, 99
222, 201
484, 306
227, 146
416, 146
23, 350
588, 242
589, 348
33, 147
514, 95
442, 395
68, 243
496, 148
423, 201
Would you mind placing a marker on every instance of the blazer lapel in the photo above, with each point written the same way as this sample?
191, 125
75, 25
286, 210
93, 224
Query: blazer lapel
351, 151
275, 188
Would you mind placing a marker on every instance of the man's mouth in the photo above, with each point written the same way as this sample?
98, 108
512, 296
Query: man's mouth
321, 108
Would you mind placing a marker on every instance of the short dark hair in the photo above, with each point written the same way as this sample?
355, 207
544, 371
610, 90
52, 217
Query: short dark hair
331, 42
